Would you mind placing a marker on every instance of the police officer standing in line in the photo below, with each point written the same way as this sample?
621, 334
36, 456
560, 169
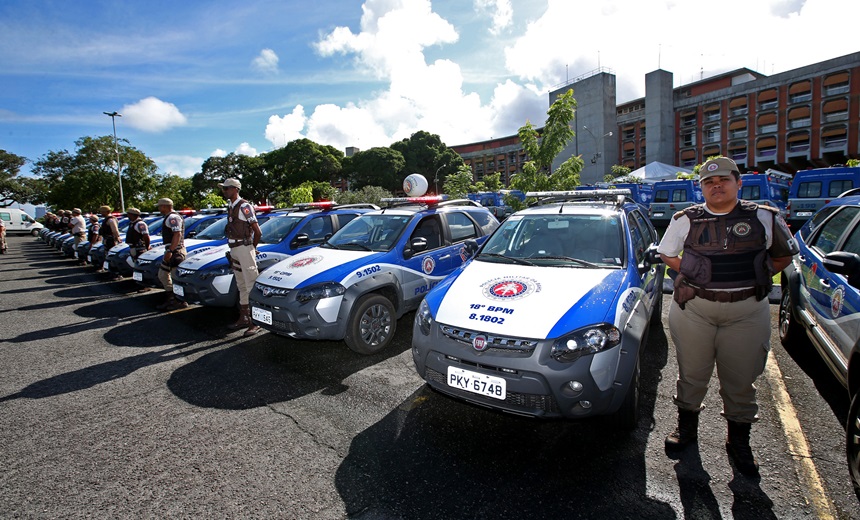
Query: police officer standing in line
79, 229
172, 231
137, 236
243, 235
108, 231
720, 313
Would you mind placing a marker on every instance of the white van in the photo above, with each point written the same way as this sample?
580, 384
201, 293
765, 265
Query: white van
18, 221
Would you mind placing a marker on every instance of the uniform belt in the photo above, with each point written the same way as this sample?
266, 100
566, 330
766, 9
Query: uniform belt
724, 296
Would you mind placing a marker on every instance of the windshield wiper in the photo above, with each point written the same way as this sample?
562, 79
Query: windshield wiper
329, 244
569, 259
510, 259
356, 245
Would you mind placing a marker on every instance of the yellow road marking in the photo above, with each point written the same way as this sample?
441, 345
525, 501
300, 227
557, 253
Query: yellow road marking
810, 480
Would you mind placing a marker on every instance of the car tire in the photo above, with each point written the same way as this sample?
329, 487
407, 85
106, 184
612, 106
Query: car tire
371, 325
852, 442
627, 417
791, 333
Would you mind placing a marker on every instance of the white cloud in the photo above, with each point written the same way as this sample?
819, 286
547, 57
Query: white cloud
218, 152
266, 62
420, 95
153, 115
182, 165
246, 149
502, 12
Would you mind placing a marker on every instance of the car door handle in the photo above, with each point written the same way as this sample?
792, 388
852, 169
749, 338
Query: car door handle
824, 283
801, 258
444, 257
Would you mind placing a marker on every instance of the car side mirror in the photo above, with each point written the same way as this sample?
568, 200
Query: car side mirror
652, 256
301, 240
192, 234
417, 245
470, 247
844, 263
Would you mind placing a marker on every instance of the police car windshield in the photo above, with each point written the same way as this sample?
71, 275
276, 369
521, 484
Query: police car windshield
370, 232
277, 228
154, 224
216, 231
558, 240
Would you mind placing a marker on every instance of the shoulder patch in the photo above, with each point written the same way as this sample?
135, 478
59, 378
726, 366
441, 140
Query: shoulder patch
773, 210
246, 209
694, 211
747, 205
678, 214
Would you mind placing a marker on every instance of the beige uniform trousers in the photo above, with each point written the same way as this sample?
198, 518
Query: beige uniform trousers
735, 337
166, 272
245, 270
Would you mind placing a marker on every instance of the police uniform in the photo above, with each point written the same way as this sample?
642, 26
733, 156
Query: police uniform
242, 241
79, 227
720, 313
2, 236
137, 236
109, 230
93, 233
172, 225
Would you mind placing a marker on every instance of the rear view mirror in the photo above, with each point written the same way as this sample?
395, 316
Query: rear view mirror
470, 247
844, 263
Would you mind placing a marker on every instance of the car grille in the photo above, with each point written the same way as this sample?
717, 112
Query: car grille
544, 403
496, 343
185, 272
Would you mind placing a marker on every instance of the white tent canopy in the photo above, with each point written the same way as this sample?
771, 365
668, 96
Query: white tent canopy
657, 171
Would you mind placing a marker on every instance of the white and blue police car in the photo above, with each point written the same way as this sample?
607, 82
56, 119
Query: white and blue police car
207, 278
550, 316
357, 284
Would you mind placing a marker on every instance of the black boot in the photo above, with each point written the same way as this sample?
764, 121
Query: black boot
686, 432
167, 302
738, 447
244, 319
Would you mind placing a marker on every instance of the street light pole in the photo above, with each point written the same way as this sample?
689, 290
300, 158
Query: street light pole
597, 153
113, 115
436, 178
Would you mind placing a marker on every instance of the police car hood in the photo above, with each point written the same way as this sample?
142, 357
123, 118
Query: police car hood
537, 302
215, 257
191, 244
319, 265
119, 248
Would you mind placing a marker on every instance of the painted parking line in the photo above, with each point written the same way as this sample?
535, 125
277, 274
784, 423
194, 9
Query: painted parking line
798, 448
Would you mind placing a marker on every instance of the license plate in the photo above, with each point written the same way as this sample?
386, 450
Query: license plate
178, 290
804, 213
261, 315
476, 383
90, 259
106, 266
658, 214
137, 276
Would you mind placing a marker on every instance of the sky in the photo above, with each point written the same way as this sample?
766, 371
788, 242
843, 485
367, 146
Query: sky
195, 79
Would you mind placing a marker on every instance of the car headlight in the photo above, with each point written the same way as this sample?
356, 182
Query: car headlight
320, 291
268, 290
424, 318
212, 273
585, 341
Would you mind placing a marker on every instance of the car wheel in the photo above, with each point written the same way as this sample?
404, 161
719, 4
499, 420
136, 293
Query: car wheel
790, 332
372, 324
627, 417
852, 442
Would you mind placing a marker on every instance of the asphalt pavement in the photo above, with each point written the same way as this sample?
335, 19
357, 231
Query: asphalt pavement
111, 409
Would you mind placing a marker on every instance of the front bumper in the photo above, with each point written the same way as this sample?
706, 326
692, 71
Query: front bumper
536, 385
148, 273
218, 291
316, 319
119, 265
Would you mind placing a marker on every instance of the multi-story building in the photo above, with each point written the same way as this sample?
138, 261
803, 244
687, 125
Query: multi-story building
802, 118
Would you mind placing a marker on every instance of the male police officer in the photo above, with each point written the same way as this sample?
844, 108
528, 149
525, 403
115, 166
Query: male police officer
243, 235
109, 231
720, 314
172, 231
79, 229
137, 236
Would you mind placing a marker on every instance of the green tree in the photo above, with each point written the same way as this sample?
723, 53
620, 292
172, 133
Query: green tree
302, 160
212, 200
425, 153
491, 182
379, 166
852, 163
367, 194
616, 171
257, 186
301, 194
542, 148
88, 178
12, 188
457, 185
174, 187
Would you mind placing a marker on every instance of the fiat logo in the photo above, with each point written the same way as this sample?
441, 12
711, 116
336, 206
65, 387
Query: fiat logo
480, 343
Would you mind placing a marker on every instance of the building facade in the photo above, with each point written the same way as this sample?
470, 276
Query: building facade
803, 118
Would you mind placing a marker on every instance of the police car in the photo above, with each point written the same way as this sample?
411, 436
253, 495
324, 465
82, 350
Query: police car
207, 278
820, 306
97, 253
359, 282
118, 260
550, 317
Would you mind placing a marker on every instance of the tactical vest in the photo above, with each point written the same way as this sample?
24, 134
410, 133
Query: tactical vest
167, 233
726, 251
106, 233
93, 232
134, 238
238, 231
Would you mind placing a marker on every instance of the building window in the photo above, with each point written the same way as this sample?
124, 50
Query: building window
766, 147
711, 151
767, 123
834, 138
711, 113
642, 130
797, 142
835, 110
688, 118
688, 138
688, 158
738, 129
629, 150
800, 117
738, 106
711, 134
836, 84
628, 133
800, 92
738, 151
768, 99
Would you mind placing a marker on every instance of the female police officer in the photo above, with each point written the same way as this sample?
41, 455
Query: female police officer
720, 314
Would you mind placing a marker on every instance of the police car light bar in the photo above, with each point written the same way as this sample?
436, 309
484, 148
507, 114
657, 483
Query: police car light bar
419, 200
581, 194
264, 208
320, 204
